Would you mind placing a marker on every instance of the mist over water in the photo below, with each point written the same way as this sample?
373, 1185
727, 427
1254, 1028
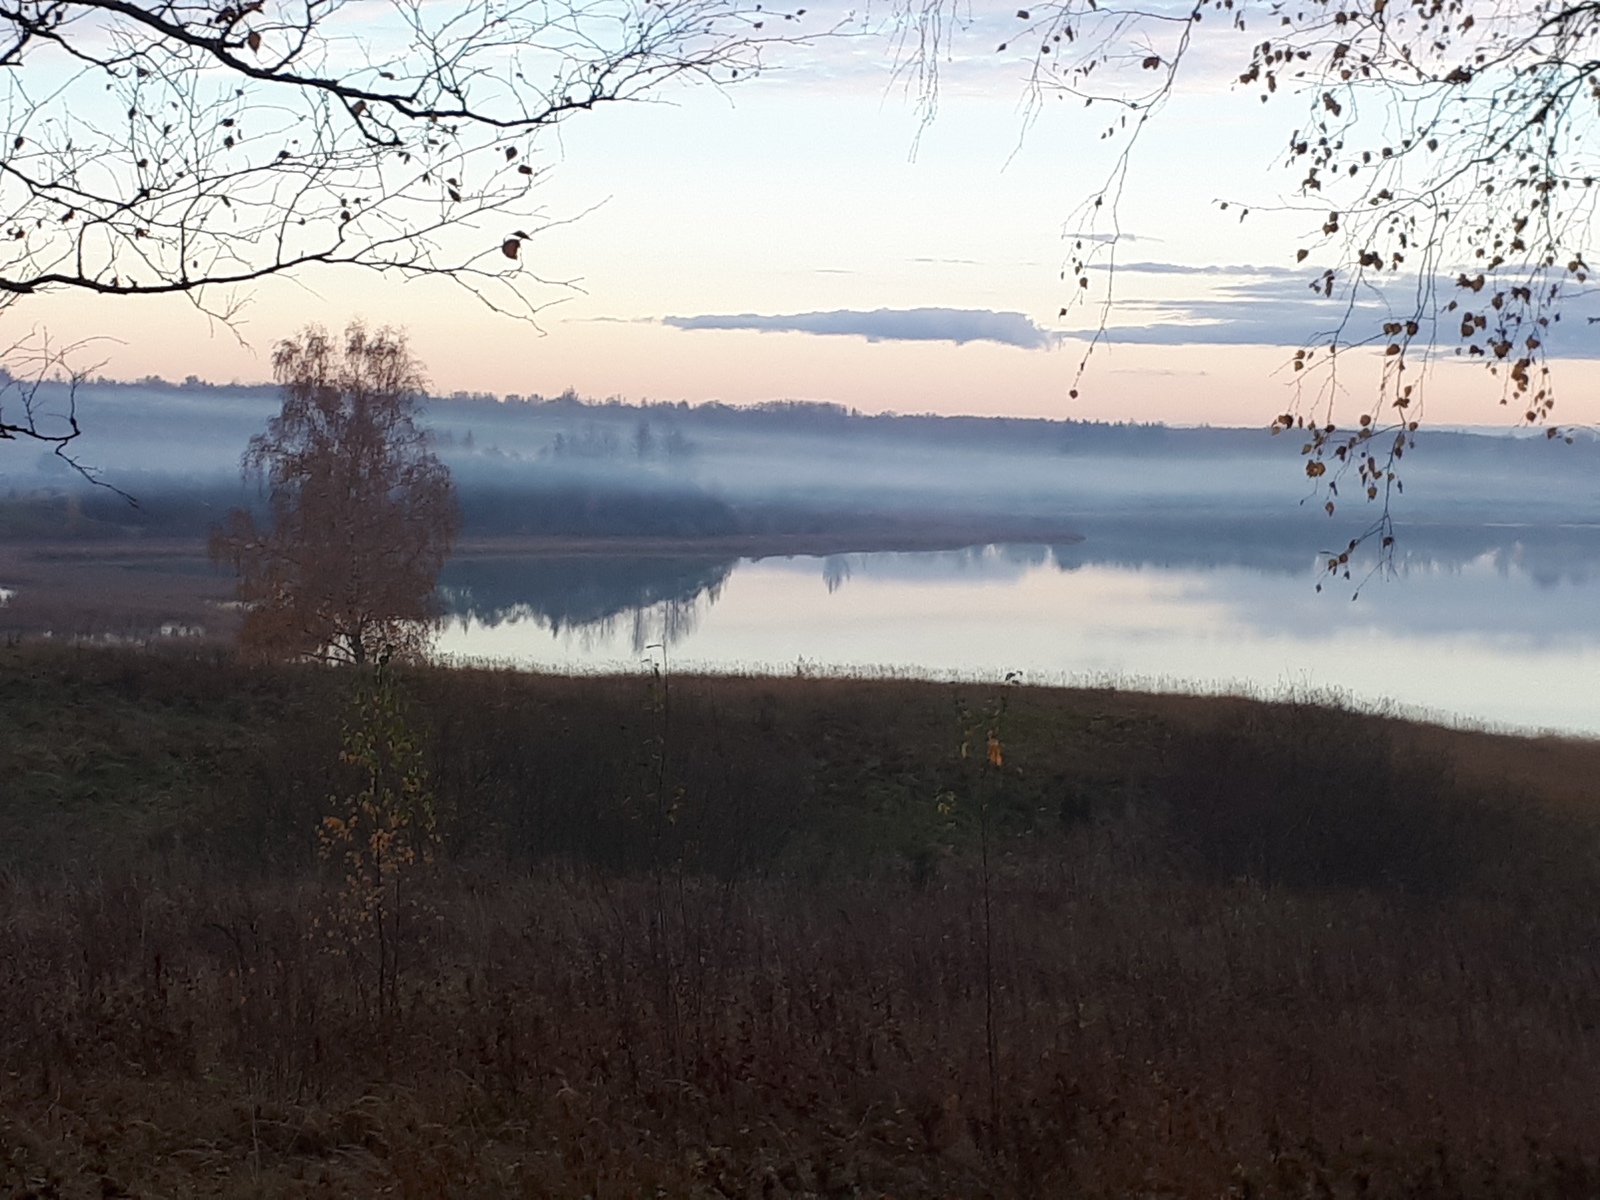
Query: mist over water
567, 468
1150, 555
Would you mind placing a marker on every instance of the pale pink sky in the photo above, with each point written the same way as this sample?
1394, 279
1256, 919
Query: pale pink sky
800, 193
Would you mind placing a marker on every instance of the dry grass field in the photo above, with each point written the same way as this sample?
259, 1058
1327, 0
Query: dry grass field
759, 937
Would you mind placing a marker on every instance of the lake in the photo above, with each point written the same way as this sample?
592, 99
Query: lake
1486, 624
1196, 569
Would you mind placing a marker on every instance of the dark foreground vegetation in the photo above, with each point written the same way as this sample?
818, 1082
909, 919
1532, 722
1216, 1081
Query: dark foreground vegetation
767, 937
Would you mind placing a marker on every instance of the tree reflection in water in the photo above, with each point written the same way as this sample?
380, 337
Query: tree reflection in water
587, 595
835, 571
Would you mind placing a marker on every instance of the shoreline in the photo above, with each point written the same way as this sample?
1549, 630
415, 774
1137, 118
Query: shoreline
761, 545
137, 588
125, 551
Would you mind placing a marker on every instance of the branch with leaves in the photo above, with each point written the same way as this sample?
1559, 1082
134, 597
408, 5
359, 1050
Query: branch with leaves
381, 833
1446, 164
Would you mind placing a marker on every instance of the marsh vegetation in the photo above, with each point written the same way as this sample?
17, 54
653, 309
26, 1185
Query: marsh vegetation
725, 937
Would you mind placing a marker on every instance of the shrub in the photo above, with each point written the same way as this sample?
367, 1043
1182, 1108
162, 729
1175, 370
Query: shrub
1306, 796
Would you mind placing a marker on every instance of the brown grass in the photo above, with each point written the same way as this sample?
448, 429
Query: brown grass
780, 990
127, 590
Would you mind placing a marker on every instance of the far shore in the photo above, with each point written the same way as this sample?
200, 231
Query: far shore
125, 587
888, 539
767, 545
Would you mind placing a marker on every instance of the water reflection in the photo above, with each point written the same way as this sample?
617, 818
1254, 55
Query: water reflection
993, 563
835, 570
1491, 624
591, 597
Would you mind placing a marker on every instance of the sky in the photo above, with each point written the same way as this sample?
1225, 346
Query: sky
806, 235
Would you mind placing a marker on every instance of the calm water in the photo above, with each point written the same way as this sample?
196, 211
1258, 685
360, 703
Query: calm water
1497, 627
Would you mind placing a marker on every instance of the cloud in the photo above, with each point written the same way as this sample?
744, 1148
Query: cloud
1281, 310
1242, 271
959, 325
1256, 306
1235, 320
1107, 239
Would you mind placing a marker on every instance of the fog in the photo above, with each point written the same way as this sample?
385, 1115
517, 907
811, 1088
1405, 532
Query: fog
651, 477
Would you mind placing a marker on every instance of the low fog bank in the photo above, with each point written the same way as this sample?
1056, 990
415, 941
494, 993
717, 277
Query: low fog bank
821, 463
567, 467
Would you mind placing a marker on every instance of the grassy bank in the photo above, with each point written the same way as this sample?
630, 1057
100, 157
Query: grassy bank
780, 937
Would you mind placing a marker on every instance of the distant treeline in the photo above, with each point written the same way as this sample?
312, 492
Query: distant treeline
183, 508
822, 418
179, 509
810, 415
168, 508
668, 422
536, 466
816, 417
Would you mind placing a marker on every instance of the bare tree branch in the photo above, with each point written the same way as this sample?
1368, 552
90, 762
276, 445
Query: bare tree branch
191, 147
31, 364
1448, 165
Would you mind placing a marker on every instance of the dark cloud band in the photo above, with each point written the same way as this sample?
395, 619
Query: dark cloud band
959, 325
1257, 306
